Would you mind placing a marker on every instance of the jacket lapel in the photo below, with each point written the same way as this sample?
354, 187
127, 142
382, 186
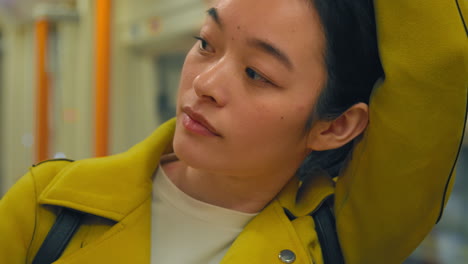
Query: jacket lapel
128, 241
271, 231
118, 188
262, 240
110, 187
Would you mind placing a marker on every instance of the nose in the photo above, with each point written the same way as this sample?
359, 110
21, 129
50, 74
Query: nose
211, 83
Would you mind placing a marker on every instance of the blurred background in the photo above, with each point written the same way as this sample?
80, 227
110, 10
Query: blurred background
84, 78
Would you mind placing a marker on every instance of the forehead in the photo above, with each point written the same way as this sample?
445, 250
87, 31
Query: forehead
292, 25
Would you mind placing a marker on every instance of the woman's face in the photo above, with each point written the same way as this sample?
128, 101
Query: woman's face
248, 86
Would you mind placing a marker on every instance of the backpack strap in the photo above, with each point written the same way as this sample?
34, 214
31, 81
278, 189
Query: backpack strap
57, 239
325, 227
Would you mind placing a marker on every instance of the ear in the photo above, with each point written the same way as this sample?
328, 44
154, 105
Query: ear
325, 135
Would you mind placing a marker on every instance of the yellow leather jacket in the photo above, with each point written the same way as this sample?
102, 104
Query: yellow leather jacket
386, 201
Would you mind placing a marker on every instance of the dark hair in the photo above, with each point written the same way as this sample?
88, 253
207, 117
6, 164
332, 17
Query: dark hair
353, 67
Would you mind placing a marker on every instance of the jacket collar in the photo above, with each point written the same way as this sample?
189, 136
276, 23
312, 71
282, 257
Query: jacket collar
303, 198
113, 186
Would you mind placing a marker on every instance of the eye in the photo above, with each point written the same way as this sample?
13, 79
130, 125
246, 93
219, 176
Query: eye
252, 74
204, 46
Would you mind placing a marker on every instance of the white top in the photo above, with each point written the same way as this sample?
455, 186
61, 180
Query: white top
185, 230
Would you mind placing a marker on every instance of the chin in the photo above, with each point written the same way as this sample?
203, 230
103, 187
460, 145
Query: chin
203, 156
191, 151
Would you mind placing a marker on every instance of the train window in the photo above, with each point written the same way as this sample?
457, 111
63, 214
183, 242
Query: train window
169, 67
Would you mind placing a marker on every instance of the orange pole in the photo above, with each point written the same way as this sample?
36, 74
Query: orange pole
102, 38
42, 97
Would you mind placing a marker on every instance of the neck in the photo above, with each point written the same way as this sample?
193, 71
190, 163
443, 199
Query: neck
245, 193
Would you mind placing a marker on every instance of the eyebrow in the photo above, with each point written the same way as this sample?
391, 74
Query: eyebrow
213, 13
273, 51
258, 43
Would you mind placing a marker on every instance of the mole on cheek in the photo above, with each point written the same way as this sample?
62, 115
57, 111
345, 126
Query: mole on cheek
238, 27
282, 117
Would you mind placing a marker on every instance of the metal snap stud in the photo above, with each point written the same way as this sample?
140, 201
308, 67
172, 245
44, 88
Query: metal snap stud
287, 256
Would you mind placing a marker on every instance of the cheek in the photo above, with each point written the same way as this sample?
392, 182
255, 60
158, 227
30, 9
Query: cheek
285, 115
271, 136
274, 121
188, 74
190, 69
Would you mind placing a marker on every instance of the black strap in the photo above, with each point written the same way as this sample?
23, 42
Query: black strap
57, 239
325, 227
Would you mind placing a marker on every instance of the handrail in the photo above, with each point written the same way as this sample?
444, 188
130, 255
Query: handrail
42, 92
103, 50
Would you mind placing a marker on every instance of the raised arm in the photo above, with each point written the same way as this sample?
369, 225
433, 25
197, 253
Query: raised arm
393, 191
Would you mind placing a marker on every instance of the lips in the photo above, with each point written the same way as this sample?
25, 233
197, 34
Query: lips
197, 123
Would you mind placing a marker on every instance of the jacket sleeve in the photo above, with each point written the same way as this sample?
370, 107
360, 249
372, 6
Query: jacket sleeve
17, 221
399, 178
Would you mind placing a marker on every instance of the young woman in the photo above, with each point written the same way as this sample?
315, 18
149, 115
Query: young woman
273, 97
